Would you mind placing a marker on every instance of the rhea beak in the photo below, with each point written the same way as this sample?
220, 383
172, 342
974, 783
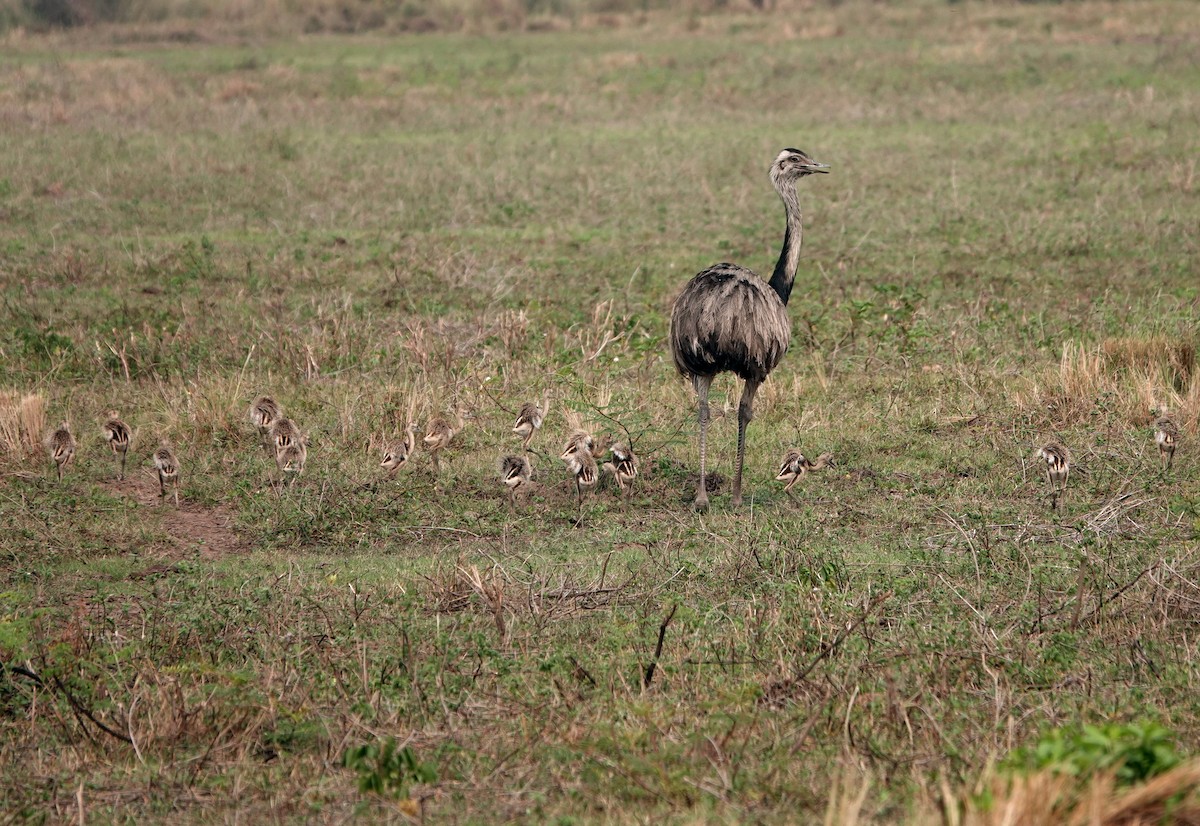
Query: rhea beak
823, 168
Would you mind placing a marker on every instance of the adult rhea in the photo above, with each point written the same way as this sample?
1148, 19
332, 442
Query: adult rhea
727, 318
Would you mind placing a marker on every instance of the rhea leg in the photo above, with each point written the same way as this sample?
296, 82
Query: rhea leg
745, 414
702, 383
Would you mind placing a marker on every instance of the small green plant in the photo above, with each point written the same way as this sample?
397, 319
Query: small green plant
42, 343
1136, 751
386, 770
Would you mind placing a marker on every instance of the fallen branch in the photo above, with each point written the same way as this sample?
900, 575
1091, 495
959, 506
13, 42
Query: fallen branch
81, 710
841, 637
662, 633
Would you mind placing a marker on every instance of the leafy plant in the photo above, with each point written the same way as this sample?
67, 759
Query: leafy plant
1136, 751
386, 770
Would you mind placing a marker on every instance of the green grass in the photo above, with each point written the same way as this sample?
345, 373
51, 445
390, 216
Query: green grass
452, 219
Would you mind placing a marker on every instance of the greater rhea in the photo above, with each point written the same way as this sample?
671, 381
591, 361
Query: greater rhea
1058, 468
727, 319
397, 454
530, 419
515, 472
623, 467
795, 466
118, 436
167, 465
1166, 436
61, 446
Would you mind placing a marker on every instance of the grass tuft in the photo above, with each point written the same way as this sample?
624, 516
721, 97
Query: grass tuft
1136, 378
1052, 798
22, 422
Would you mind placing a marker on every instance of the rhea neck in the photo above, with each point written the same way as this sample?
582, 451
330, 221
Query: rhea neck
789, 256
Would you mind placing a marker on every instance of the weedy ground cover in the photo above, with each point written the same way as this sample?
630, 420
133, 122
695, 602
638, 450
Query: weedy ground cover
1005, 252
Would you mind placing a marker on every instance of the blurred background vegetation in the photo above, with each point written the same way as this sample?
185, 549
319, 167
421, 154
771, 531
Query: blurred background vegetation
356, 16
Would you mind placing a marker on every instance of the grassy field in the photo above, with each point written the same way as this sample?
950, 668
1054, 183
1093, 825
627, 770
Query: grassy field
1005, 252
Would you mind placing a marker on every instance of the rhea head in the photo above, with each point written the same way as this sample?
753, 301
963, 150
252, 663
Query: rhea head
791, 164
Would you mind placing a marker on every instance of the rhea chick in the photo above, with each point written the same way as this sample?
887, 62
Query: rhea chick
437, 438
623, 467
283, 432
579, 441
264, 412
290, 458
582, 466
530, 419
1058, 468
397, 454
515, 472
1166, 436
167, 466
61, 446
795, 466
117, 434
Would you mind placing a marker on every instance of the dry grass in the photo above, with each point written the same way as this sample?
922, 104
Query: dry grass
1133, 376
22, 422
1153, 354
10, 422
1052, 798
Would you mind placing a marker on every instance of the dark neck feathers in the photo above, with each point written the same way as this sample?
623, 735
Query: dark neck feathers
789, 256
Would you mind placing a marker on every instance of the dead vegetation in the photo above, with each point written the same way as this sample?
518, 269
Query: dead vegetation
1052, 798
22, 422
1133, 376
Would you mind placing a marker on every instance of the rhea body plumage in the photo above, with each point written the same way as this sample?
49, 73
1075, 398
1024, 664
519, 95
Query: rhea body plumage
61, 446
397, 454
264, 412
1058, 469
117, 434
579, 441
284, 432
291, 457
727, 319
1166, 436
795, 466
515, 473
167, 465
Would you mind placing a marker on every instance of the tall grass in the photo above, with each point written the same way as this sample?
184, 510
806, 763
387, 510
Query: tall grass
22, 422
1138, 378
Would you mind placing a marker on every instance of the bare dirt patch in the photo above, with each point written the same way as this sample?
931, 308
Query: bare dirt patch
191, 526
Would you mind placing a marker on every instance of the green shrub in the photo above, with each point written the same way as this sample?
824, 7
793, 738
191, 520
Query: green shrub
386, 770
1136, 751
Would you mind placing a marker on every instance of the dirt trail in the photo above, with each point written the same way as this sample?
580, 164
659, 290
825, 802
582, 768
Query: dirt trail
190, 526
